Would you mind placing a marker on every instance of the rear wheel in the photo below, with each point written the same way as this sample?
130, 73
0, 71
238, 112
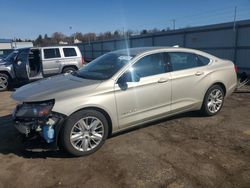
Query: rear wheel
84, 132
4, 81
213, 100
69, 69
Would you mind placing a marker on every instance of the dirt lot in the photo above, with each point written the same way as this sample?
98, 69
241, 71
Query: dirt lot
183, 151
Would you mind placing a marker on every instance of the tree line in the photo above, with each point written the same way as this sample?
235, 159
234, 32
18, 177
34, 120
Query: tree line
58, 37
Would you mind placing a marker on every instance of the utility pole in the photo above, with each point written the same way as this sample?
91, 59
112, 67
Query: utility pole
173, 20
235, 14
123, 32
70, 28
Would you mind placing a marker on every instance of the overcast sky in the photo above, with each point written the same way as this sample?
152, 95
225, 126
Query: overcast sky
27, 19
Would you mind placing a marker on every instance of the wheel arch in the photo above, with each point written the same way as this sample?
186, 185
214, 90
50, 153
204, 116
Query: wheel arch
104, 112
7, 73
221, 85
107, 116
203, 108
69, 66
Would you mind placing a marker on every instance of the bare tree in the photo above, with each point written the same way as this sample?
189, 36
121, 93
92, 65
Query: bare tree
57, 37
144, 31
117, 34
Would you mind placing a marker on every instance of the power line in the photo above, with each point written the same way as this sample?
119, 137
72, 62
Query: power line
219, 17
199, 13
215, 15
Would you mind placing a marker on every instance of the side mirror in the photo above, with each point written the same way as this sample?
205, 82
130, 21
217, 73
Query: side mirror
129, 76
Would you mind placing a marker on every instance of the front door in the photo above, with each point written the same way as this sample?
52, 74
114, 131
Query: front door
21, 65
146, 99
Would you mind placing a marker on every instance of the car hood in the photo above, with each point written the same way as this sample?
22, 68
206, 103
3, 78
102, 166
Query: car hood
57, 87
3, 62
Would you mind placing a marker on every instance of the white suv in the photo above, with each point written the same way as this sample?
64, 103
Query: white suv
29, 64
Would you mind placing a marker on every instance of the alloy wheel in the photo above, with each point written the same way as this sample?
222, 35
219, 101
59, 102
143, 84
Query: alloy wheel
87, 133
69, 71
215, 100
3, 82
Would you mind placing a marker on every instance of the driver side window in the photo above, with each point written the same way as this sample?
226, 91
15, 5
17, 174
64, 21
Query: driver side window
151, 65
23, 56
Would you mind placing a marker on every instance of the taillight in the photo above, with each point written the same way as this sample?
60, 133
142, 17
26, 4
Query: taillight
83, 62
235, 68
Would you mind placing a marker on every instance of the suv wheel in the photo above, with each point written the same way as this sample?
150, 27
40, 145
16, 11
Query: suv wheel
84, 132
213, 100
4, 81
69, 70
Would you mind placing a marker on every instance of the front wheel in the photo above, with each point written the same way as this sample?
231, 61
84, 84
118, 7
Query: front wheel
84, 132
4, 81
213, 100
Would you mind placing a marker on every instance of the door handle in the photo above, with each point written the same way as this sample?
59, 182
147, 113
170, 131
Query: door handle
162, 80
58, 61
199, 73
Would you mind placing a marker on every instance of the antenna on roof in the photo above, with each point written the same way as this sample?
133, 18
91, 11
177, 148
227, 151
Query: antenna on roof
176, 46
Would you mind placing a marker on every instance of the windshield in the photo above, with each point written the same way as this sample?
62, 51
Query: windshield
11, 57
103, 67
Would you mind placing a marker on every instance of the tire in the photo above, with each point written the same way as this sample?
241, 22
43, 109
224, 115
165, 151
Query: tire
77, 140
4, 82
213, 101
68, 69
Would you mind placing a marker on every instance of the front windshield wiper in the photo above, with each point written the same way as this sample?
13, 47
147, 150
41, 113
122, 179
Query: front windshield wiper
80, 76
86, 76
75, 73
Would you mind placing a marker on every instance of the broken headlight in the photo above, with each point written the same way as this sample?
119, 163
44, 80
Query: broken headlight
34, 109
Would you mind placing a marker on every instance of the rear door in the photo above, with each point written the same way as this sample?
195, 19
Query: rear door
189, 79
51, 59
71, 57
35, 65
21, 65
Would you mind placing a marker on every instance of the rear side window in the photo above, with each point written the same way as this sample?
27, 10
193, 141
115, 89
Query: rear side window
69, 52
184, 60
51, 53
203, 60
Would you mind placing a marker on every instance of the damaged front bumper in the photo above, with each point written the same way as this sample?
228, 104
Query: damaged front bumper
47, 127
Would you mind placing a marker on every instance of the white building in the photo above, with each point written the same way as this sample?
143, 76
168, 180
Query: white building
63, 43
8, 44
22, 44
5, 44
76, 41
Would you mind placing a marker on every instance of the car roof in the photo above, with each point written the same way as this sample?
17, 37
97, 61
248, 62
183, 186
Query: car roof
141, 50
54, 47
136, 51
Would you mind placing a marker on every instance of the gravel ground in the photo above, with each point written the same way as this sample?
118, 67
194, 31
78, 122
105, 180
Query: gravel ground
183, 151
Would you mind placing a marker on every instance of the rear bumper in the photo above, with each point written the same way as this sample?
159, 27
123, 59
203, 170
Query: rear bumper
231, 89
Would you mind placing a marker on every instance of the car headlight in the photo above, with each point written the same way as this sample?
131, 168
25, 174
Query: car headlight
34, 109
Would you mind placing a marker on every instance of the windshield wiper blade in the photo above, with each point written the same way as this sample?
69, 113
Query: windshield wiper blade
78, 75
